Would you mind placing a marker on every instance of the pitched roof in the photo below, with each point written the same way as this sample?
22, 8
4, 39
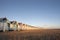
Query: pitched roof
14, 22
3, 19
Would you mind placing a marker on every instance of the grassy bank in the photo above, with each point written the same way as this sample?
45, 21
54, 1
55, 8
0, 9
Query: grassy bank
43, 34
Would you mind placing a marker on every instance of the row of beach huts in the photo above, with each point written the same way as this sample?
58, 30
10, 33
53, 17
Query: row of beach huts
6, 25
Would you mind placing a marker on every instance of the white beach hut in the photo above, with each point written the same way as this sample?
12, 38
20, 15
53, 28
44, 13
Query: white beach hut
4, 24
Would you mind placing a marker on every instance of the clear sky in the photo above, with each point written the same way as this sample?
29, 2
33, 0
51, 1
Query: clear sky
43, 13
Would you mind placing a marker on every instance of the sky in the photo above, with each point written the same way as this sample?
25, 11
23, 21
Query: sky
41, 13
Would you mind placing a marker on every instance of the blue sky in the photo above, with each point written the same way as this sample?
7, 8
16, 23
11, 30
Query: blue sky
44, 13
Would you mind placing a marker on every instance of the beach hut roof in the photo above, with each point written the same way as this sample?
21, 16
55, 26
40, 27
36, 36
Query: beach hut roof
3, 19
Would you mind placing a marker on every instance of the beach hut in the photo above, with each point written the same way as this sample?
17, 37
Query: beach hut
13, 25
20, 25
4, 24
